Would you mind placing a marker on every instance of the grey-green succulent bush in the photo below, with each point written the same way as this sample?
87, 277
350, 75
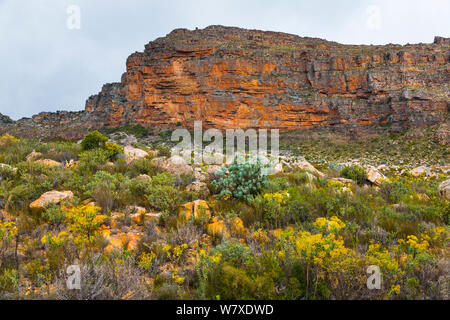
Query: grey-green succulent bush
241, 180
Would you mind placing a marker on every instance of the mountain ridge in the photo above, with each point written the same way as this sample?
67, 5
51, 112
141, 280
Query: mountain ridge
230, 77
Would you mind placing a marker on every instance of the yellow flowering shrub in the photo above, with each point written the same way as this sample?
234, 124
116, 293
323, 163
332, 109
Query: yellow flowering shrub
146, 260
84, 223
178, 279
379, 256
7, 140
333, 224
279, 197
55, 241
237, 227
8, 231
414, 245
174, 253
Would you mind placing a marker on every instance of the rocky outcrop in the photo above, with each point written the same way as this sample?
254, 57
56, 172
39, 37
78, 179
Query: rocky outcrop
5, 120
231, 77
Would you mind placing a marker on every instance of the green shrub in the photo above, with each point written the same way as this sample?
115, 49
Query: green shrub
54, 215
240, 181
164, 151
108, 189
143, 166
8, 281
6, 172
394, 192
93, 140
113, 150
91, 160
356, 173
164, 198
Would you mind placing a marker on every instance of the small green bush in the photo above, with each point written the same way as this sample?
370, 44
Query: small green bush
93, 140
113, 150
164, 198
92, 160
356, 173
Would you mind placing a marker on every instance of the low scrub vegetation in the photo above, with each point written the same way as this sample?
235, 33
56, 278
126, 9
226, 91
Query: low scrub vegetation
139, 232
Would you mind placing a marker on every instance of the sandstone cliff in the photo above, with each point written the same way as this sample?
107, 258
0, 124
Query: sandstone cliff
231, 77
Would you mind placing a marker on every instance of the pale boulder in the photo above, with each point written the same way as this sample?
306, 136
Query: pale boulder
420, 171
132, 154
51, 197
375, 176
444, 189
305, 165
198, 187
49, 163
33, 156
211, 170
197, 209
175, 165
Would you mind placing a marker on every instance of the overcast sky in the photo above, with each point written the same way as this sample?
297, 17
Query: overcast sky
46, 66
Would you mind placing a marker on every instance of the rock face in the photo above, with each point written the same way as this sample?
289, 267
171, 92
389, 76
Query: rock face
5, 120
237, 78
231, 77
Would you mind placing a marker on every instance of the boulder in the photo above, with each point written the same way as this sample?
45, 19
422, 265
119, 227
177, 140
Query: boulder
305, 165
116, 241
143, 177
211, 170
198, 187
33, 156
175, 165
121, 240
137, 214
153, 216
375, 176
197, 209
133, 241
49, 163
200, 175
218, 228
132, 154
277, 168
51, 197
444, 189
420, 171
343, 180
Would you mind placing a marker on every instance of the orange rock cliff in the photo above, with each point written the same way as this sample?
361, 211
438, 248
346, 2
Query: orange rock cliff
230, 77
